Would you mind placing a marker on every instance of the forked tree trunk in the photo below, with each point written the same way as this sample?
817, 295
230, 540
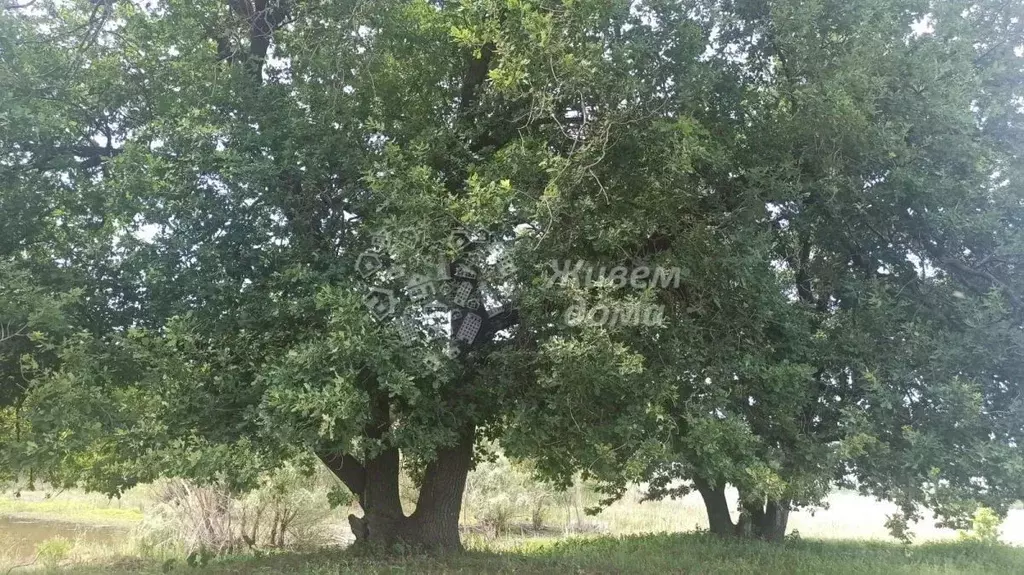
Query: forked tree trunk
434, 525
381, 501
767, 521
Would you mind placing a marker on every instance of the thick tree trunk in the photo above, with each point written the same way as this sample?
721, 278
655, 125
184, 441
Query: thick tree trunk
382, 519
774, 521
765, 521
719, 520
436, 519
434, 525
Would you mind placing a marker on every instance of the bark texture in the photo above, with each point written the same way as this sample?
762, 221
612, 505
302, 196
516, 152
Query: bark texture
434, 525
719, 519
766, 521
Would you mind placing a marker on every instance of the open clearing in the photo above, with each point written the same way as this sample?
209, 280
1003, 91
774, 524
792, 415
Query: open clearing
628, 537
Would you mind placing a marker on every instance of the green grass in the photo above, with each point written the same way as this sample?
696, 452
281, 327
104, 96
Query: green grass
664, 553
845, 539
70, 509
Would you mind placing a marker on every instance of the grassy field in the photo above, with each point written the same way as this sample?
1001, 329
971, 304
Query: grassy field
848, 516
628, 537
660, 553
73, 507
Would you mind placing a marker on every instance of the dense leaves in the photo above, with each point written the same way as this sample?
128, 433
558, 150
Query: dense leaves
251, 231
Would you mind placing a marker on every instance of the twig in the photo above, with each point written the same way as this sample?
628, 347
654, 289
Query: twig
19, 6
29, 564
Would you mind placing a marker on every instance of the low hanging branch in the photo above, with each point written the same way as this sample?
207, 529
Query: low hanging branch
347, 468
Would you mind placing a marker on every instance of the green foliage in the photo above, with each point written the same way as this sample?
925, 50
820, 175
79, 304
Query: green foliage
898, 525
185, 210
52, 552
984, 527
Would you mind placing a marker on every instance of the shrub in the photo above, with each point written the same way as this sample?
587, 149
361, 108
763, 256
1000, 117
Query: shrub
53, 551
290, 507
501, 493
984, 527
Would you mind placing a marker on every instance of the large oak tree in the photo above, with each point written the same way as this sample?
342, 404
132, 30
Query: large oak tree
327, 227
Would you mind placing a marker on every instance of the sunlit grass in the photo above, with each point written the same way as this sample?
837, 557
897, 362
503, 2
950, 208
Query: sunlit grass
72, 506
849, 516
72, 511
665, 553
629, 537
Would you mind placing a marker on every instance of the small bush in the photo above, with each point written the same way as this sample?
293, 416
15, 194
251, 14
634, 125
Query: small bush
289, 508
502, 494
898, 525
984, 527
53, 551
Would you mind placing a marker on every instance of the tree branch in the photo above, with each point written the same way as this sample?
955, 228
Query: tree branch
92, 156
19, 6
347, 468
963, 269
